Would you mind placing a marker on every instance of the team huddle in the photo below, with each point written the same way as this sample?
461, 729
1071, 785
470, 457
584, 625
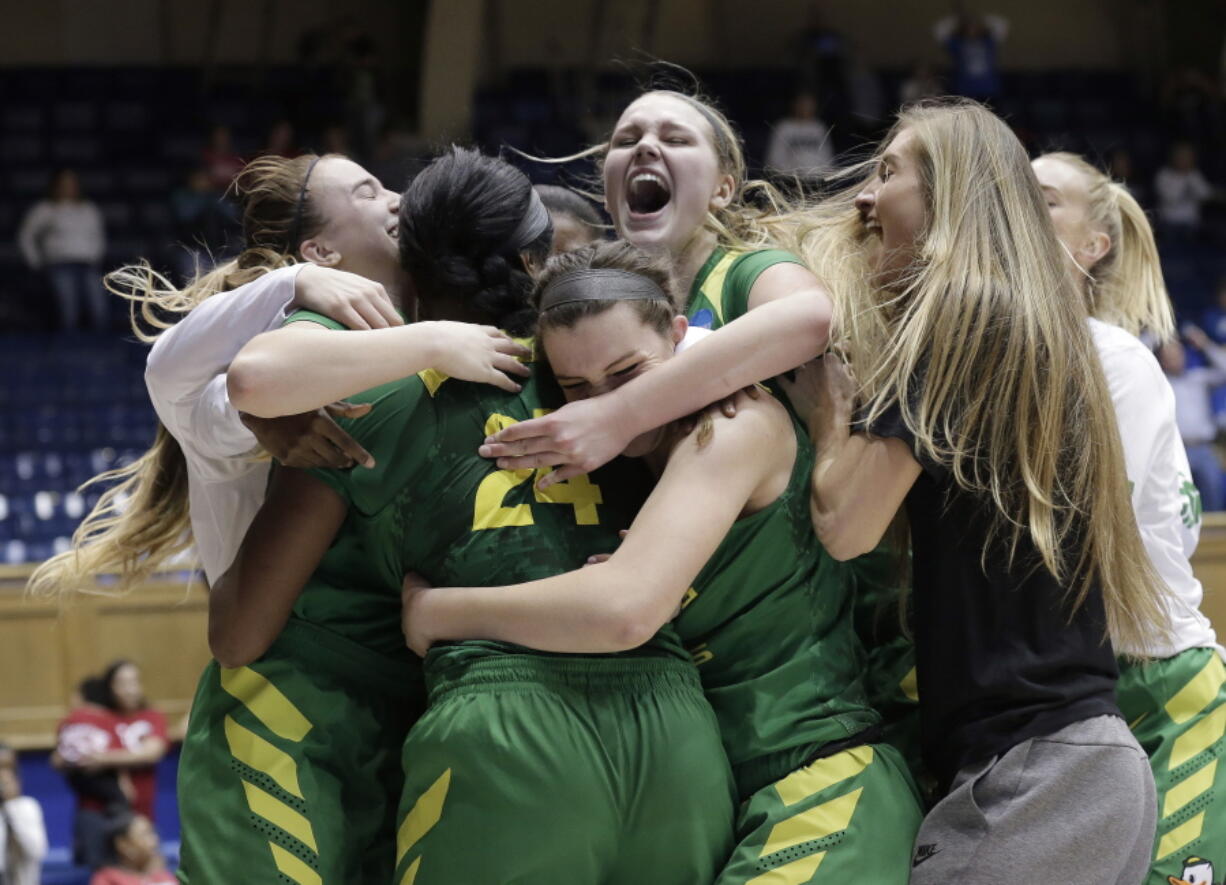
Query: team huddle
781, 539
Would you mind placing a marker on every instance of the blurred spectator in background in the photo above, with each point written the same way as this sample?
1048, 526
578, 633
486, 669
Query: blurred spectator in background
23, 836
363, 90
973, 43
280, 141
336, 140
203, 220
64, 236
1181, 189
135, 855
1214, 320
921, 83
1121, 169
220, 160
575, 220
800, 143
84, 738
142, 733
1194, 409
822, 64
399, 156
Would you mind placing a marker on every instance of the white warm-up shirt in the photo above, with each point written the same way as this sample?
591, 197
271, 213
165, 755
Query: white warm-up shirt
185, 375
1166, 503
23, 842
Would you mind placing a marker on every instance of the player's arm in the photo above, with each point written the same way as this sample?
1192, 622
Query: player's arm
250, 603
620, 603
788, 324
304, 366
859, 482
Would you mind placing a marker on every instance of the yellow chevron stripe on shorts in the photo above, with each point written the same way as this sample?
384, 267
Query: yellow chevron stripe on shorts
1181, 836
280, 716
410, 875
422, 817
818, 822
793, 873
265, 701
909, 685
279, 814
823, 774
1198, 693
293, 868
1198, 738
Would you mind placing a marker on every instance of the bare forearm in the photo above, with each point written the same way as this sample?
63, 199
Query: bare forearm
245, 617
767, 341
151, 751
289, 371
589, 611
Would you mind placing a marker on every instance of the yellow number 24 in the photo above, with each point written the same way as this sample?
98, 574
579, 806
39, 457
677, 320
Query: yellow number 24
488, 510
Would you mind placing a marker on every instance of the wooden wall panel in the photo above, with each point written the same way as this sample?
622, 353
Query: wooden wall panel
45, 650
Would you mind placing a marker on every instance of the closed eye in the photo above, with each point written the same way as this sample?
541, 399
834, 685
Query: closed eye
621, 373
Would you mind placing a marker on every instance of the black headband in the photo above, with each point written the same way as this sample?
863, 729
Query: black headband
295, 228
599, 284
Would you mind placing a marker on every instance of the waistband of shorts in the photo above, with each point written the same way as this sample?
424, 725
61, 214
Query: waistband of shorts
564, 673
354, 662
762, 771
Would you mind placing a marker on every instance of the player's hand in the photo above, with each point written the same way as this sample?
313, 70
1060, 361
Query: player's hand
479, 353
604, 557
823, 392
312, 439
577, 438
413, 614
352, 300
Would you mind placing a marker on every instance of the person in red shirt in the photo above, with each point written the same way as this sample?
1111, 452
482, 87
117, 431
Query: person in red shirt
137, 855
220, 159
141, 731
85, 738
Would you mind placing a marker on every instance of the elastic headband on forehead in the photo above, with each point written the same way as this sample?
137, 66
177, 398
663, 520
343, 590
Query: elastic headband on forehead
295, 228
533, 224
599, 284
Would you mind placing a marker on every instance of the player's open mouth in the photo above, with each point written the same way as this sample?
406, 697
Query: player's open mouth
394, 231
647, 193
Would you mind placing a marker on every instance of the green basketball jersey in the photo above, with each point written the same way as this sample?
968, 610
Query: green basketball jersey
720, 292
434, 506
769, 624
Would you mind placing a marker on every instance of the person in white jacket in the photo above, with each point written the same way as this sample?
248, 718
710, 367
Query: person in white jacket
64, 236
1172, 690
321, 234
23, 835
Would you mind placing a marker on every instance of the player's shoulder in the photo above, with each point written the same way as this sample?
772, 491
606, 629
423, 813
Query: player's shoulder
758, 426
1123, 354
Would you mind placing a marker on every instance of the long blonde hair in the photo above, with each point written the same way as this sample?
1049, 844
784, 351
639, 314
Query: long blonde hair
1125, 286
141, 523
985, 349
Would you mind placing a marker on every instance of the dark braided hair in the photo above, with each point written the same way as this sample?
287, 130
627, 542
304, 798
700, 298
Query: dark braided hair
458, 219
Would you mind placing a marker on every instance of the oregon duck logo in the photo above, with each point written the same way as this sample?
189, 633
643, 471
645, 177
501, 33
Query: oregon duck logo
1196, 871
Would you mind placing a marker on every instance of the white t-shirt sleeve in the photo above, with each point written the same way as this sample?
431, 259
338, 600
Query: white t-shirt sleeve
185, 372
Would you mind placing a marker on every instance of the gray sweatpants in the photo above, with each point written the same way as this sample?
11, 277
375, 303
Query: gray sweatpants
1074, 806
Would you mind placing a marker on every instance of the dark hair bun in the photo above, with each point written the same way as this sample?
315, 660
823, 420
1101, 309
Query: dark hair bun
457, 224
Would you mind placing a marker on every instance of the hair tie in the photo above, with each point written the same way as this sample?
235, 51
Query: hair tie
599, 284
295, 227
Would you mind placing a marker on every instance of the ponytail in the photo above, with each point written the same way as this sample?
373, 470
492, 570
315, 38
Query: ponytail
1126, 286
142, 523
135, 529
